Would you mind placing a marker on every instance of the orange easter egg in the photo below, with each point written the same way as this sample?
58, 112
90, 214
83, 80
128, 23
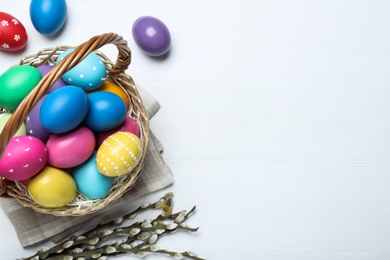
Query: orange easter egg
112, 87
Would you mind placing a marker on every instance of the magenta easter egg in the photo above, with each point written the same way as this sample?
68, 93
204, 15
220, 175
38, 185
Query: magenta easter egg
70, 149
23, 157
128, 125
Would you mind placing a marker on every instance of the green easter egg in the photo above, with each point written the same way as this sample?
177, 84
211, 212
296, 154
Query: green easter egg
16, 83
4, 117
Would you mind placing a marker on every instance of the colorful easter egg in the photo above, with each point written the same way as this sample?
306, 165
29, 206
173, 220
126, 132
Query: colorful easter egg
64, 109
23, 157
71, 148
13, 35
89, 74
48, 16
106, 111
44, 69
33, 123
16, 83
112, 87
52, 188
151, 35
4, 117
128, 125
90, 181
119, 154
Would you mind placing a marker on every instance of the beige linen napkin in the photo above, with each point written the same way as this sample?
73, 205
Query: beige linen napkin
32, 227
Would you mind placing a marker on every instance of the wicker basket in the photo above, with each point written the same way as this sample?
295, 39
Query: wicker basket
116, 73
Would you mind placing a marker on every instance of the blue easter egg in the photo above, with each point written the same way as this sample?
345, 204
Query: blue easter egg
90, 181
89, 74
64, 109
106, 111
48, 16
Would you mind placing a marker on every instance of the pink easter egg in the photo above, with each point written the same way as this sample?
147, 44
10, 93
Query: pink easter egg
25, 182
128, 125
70, 149
23, 157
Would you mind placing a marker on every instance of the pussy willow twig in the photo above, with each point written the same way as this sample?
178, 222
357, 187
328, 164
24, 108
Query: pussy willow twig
138, 238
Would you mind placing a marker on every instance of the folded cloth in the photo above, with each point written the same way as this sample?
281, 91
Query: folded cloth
32, 227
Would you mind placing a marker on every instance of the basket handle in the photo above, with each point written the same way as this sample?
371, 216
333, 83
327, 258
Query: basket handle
71, 60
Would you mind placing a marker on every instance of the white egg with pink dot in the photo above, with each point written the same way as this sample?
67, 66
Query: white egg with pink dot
23, 157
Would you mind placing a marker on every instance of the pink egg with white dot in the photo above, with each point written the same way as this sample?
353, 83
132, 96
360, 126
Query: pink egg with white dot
23, 157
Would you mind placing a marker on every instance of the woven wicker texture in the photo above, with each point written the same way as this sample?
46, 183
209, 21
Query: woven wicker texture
116, 73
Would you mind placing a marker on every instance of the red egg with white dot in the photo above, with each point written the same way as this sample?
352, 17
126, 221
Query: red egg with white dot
23, 157
13, 34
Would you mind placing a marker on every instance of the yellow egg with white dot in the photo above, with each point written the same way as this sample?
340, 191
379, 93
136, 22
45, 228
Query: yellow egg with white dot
119, 154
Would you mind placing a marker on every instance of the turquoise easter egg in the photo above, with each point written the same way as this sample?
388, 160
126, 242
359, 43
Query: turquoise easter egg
89, 74
16, 83
90, 181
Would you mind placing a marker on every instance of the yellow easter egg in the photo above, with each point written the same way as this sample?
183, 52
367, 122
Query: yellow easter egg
112, 87
52, 188
119, 154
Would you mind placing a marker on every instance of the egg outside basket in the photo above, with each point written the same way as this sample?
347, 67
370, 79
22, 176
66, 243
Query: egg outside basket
116, 73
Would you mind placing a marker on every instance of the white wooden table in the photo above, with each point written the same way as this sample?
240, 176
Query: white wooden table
275, 120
